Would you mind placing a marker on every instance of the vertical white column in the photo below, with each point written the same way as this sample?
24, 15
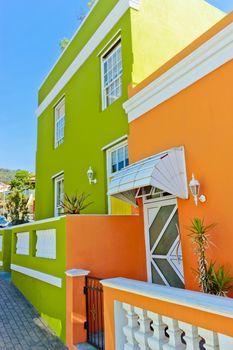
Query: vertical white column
211, 339
191, 337
130, 329
174, 332
144, 331
158, 338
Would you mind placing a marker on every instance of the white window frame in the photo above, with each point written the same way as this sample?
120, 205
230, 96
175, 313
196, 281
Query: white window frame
57, 179
59, 141
109, 166
109, 52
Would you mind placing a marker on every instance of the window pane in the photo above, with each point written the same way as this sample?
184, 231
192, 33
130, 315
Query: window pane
126, 156
114, 162
121, 158
112, 69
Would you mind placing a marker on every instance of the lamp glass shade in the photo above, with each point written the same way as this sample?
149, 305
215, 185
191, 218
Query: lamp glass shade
194, 186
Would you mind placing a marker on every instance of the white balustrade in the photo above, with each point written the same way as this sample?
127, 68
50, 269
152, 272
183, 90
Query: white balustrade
141, 329
22, 243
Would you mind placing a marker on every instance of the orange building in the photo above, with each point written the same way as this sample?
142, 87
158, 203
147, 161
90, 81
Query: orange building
180, 131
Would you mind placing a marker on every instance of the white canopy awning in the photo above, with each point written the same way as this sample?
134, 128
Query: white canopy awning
165, 171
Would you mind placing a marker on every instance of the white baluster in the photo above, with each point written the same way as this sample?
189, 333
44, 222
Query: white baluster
211, 339
191, 337
158, 338
144, 331
131, 327
174, 332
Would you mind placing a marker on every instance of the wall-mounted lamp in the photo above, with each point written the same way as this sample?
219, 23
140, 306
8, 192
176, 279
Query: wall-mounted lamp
90, 175
194, 186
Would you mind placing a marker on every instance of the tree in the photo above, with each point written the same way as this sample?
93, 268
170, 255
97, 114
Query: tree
21, 181
17, 200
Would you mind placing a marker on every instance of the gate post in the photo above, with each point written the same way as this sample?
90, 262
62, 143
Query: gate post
75, 307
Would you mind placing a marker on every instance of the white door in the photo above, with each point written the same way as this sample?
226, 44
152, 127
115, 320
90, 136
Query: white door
164, 254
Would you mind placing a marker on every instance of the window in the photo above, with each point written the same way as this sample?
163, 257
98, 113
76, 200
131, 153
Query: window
112, 75
118, 158
22, 243
46, 244
59, 194
59, 123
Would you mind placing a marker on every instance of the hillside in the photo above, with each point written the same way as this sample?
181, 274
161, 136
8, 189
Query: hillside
6, 175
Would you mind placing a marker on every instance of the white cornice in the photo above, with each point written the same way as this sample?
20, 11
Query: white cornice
110, 21
44, 277
202, 61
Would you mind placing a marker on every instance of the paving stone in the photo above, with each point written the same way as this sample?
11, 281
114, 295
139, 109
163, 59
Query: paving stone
21, 327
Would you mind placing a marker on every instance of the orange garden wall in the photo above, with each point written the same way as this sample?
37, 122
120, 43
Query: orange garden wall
200, 119
108, 246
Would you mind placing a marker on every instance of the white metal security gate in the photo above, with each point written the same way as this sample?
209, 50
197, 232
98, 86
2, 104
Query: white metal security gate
164, 254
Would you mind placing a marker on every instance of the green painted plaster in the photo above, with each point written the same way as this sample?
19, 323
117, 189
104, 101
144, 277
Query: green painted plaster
5, 254
49, 300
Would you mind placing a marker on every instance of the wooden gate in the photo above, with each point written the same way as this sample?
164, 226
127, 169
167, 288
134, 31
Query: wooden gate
94, 306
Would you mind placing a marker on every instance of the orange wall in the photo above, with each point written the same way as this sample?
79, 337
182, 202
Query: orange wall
108, 246
200, 118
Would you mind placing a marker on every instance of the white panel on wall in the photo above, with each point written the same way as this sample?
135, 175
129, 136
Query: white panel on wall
46, 244
22, 244
1, 239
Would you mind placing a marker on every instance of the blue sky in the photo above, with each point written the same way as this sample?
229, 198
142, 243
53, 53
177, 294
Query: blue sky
30, 31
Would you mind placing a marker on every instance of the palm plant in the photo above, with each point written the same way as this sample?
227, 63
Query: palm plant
220, 282
200, 237
76, 203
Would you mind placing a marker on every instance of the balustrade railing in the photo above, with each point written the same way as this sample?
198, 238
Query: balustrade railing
142, 328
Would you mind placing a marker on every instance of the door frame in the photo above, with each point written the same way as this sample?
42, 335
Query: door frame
149, 203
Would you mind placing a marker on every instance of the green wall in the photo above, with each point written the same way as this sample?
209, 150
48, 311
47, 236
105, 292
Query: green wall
87, 130
49, 300
5, 254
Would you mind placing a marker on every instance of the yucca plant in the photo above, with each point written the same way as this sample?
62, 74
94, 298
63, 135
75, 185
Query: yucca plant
76, 203
200, 238
220, 281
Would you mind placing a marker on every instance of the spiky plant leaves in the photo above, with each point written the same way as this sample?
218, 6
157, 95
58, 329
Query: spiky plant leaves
75, 203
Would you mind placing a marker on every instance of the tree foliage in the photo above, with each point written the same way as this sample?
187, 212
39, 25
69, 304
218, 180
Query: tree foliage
16, 206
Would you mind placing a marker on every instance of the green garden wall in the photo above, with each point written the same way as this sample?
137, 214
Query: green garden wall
49, 300
5, 254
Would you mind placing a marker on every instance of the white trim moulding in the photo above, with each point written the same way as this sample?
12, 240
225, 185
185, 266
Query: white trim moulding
44, 277
115, 142
34, 223
110, 21
197, 300
58, 174
202, 61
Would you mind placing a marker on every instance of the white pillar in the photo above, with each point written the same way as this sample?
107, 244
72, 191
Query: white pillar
158, 338
211, 339
131, 327
144, 331
191, 337
174, 332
